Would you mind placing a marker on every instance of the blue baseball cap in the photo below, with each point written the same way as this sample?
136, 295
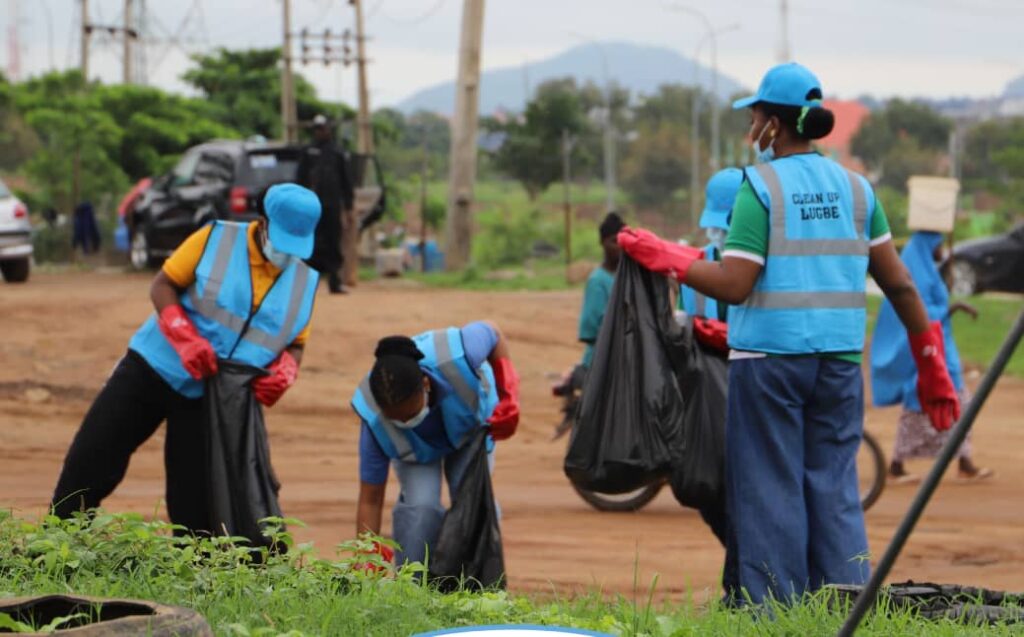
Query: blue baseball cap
292, 213
789, 84
720, 193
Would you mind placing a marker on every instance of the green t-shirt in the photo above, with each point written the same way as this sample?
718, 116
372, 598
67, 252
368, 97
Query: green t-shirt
748, 236
595, 302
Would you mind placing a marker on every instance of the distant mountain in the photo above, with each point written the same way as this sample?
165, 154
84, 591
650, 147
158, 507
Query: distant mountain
1015, 88
641, 69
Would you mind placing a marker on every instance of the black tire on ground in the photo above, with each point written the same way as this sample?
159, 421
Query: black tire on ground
16, 270
877, 464
632, 501
107, 617
139, 254
964, 279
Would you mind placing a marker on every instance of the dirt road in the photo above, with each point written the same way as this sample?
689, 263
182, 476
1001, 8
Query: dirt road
61, 334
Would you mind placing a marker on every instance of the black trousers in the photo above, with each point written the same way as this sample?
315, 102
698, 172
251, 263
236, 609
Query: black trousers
129, 408
327, 255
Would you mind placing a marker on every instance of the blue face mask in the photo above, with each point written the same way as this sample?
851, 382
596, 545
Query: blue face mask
280, 260
763, 156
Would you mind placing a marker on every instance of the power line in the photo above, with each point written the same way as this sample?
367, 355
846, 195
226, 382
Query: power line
423, 17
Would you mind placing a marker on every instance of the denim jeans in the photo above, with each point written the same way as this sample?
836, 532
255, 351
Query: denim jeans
792, 433
418, 513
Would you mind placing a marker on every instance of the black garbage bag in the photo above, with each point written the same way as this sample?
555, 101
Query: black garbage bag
629, 427
468, 550
698, 476
242, 488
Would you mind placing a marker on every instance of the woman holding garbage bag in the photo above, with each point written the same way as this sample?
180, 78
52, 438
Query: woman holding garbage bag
419, 406
230, 291
893, 376
805, 233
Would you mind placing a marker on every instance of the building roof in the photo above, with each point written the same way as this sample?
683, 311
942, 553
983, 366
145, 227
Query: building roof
850, 114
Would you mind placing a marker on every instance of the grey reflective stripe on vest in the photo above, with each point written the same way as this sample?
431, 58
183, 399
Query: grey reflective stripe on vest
699, 303
450, 370
402, 445
779, 245
207, 303
817, 300
281, 340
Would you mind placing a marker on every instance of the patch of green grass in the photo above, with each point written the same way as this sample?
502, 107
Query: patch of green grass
978, 341
538, 276
300, 594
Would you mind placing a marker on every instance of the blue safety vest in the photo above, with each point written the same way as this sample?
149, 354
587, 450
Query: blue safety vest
809, 297
219, 303
467, 406
693, 302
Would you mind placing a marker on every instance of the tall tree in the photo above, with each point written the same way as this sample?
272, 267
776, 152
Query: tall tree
901, 139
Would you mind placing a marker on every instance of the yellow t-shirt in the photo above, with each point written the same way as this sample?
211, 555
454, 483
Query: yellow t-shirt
181, 266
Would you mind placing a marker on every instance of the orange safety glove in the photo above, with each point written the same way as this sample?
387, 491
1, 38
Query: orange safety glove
935, 388
196, 353
283, 372
505, 417
658, 255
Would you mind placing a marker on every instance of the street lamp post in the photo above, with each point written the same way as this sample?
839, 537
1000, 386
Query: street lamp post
609, 126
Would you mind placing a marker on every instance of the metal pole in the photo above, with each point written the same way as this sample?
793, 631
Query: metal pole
288, 125
128, 35
84, 56
423, 201
609, 138
566, 178
866, 599
715, 157
695, 137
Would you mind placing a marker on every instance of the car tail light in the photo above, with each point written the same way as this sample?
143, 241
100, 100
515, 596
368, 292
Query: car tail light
20, 211
239, 199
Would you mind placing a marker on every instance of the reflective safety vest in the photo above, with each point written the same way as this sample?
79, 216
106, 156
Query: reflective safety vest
219, 303
693, 302
469, 403
810, 295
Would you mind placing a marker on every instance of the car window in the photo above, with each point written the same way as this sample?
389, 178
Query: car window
262, 168
186, 168
213, 167
4, 192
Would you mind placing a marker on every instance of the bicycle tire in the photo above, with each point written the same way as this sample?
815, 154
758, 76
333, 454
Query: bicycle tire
612, 503
867, 500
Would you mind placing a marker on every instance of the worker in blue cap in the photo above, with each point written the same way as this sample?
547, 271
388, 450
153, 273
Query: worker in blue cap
238, 291
805, 232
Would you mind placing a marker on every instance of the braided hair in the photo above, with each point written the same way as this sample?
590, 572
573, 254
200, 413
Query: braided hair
396, 375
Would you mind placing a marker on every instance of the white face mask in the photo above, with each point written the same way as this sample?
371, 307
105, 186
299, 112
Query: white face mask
716, 237
763, 156
418, 419
280, 260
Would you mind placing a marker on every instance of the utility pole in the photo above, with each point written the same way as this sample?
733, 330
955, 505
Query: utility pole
566, 179
424, 174
288, 124
784, 54
463, 150
129, 35
86, 32
13, 44
365, 133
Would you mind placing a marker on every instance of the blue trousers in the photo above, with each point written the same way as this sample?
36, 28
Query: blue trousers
418, 513
792, 432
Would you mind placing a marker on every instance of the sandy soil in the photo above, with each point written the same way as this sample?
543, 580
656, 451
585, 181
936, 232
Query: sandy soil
63, 333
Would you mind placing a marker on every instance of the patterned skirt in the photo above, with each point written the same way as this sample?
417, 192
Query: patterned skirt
916, 438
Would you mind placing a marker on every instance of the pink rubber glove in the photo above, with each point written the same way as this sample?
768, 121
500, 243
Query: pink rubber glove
658, 255
196, 353
283, 372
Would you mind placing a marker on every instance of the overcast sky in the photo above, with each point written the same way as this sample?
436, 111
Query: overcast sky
935, 48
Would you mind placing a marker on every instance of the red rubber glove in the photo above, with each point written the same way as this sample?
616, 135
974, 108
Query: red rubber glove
505, 418
283, 372
935, 388
711, 332
658, 255
196, 353
384, 552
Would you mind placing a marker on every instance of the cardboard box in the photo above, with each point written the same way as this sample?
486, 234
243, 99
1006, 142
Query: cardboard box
932, 203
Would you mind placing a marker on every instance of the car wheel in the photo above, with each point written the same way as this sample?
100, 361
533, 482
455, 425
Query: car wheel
965, 279
138, 249
15, 271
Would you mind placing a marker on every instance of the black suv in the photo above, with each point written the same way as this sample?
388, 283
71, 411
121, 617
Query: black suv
216, 180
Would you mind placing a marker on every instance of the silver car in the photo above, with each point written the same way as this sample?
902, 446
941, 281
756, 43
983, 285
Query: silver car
15, 237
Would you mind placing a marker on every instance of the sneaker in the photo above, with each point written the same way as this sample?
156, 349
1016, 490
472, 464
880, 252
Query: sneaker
982, 473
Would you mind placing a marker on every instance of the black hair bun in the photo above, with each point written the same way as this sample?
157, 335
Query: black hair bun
818, 123
402, 346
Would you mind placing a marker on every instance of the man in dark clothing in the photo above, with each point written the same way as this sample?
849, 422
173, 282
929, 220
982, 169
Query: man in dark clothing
325, 170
